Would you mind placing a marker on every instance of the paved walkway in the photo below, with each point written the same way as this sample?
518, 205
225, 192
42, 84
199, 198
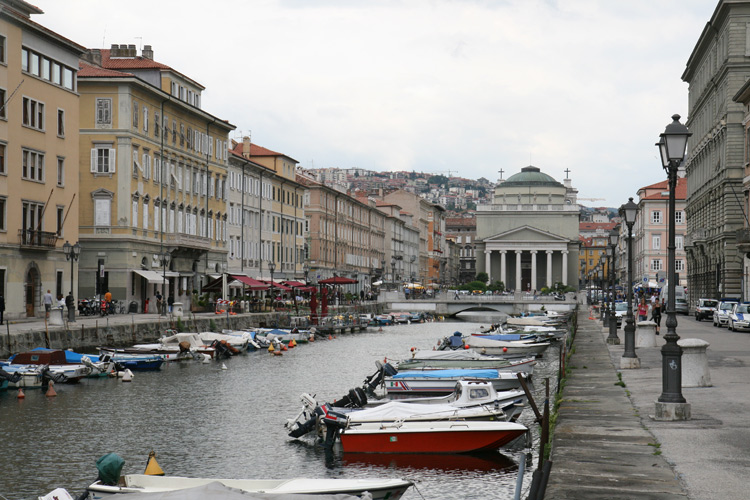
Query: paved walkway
605, 445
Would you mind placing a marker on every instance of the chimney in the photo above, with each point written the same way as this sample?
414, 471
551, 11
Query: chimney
93, 56
147, 52
114, 50
246, 146
131, 50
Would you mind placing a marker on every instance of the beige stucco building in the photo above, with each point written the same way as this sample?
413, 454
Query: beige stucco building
529, 234
153, 176
38, 159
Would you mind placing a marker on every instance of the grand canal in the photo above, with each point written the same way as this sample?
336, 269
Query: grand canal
207, 422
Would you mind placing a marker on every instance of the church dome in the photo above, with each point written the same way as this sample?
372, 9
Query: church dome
530, 176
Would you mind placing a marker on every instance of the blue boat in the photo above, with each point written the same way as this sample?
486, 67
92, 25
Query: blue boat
133, 362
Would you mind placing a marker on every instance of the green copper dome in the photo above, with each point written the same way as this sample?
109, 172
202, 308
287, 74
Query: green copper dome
531, 176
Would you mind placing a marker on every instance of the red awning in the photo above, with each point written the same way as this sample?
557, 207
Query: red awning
337, 280
252, 283
306, 289
280, 287
294, 284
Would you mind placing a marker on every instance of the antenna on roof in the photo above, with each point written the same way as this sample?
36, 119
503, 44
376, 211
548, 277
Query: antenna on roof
104, 36
140, 42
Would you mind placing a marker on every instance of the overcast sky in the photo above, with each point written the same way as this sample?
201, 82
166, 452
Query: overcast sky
466, 86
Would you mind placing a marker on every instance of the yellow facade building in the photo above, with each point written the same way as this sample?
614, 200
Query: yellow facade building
38, 159
153, 180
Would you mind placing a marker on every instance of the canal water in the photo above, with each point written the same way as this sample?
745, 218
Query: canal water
203, 421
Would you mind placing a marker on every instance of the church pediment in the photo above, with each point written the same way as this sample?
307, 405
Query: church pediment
526, 234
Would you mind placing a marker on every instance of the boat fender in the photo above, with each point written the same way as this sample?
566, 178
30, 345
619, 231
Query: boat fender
152, 467
127, 376
51, 393
467, 346
184, 346
21, 395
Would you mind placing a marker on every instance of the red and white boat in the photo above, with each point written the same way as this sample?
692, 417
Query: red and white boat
429, 437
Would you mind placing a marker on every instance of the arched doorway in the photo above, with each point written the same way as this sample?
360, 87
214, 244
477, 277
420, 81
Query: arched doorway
31, 287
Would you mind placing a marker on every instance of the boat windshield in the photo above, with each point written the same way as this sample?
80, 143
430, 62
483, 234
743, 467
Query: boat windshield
478, 393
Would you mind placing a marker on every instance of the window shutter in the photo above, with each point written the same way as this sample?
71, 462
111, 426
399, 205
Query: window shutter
179, 178
112, 161
93, 160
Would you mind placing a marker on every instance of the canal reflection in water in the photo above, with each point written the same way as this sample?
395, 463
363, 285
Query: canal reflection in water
203, 421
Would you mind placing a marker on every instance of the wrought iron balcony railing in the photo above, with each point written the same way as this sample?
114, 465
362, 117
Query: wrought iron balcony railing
41, 240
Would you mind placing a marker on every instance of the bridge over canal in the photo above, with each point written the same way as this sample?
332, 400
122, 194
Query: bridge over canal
447, 305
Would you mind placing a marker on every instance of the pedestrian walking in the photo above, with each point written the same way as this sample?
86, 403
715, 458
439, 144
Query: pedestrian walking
47, 301
158, 302
642, 309
170, 302
656, 314
455, 294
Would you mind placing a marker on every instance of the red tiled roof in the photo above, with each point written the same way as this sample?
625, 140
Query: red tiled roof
255, 150
593, 226
87, 70
680, 192
136, 62
460, 222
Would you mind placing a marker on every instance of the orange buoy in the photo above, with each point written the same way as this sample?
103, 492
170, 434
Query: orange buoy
277, 353
21, 395
466, 346
329, 337
51, 393
270, 348
505, 349
152, 467
284, 347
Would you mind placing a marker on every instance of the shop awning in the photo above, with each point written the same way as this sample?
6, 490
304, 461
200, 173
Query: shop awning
150, 276
276, 285
294, 284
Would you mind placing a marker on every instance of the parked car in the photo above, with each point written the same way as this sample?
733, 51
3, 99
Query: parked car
739, 317
681, 306
721, 314
705, 308
621, 309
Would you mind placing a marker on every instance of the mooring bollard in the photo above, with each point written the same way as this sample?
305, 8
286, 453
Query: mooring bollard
694, 363
645, 334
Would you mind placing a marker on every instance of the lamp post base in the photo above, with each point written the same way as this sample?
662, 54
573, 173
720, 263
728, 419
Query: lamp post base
671, 412
629, 363
613, 340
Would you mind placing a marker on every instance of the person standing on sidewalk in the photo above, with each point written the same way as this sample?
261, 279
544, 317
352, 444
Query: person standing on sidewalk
47, 301
656, 314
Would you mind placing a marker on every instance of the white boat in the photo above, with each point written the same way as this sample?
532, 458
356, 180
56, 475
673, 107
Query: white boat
443, 381
238, 342
179, 346
465, 359
32, 376
500, 347
380, 489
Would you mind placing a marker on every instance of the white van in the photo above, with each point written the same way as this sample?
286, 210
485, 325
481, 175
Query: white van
680, 299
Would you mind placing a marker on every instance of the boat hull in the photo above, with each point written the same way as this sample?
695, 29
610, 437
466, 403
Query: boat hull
434, 437
380, 489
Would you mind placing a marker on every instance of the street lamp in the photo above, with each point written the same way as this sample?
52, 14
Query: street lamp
165, 257
629, 211
671, 405
306, 270
72, 252
272, 268
600, 275
613, 338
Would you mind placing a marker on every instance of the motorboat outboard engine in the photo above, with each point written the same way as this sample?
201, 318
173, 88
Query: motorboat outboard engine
355, 398
334, 422
12, 378
374, 380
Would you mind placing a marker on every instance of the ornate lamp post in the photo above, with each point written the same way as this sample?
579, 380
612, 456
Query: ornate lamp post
600, 273
72, 252
165, 257
306, 270
614, 234
671, 405
629, 211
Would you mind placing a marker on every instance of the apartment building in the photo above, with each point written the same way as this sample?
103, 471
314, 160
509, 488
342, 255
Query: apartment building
153, 177
463, 230
38, 159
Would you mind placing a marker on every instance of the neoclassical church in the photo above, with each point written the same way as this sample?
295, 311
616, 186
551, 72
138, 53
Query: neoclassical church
529, 234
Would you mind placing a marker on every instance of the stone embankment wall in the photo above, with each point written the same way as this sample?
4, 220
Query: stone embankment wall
122, 333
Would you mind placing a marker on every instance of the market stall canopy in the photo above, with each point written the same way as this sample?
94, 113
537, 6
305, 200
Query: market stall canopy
338, 280
294, 284
277, 285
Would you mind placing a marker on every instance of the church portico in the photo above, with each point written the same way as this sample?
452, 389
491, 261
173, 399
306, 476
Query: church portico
530, 232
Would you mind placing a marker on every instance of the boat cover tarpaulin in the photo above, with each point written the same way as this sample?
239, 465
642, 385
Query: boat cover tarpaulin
528, 320
396, 410
452, 355
501, 336
448, 374
217, 491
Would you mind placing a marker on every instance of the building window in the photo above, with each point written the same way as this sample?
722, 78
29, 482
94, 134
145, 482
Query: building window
145, 119
679, 265
103, 160
135, 115
182, 135
174, 132
102, 208
103, 111
2, 104
61, 123
656, 242
3, 170
656, 217
60, 220
656, 265
33, 165
33, 113
678, 217
60, 171
156, 124
136, 165
2, 49
3, 226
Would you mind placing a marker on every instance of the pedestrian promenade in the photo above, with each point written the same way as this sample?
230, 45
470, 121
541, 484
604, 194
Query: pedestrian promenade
603, 446
600, 447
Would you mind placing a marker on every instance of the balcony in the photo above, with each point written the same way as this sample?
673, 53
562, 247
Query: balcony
37, 240
189, 241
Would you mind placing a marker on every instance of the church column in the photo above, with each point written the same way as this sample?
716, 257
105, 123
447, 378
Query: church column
565, 268
518, 270
503, 268
487, 260
533, 269
549, 268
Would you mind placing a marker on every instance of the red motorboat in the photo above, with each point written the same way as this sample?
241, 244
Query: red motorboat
429, 436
